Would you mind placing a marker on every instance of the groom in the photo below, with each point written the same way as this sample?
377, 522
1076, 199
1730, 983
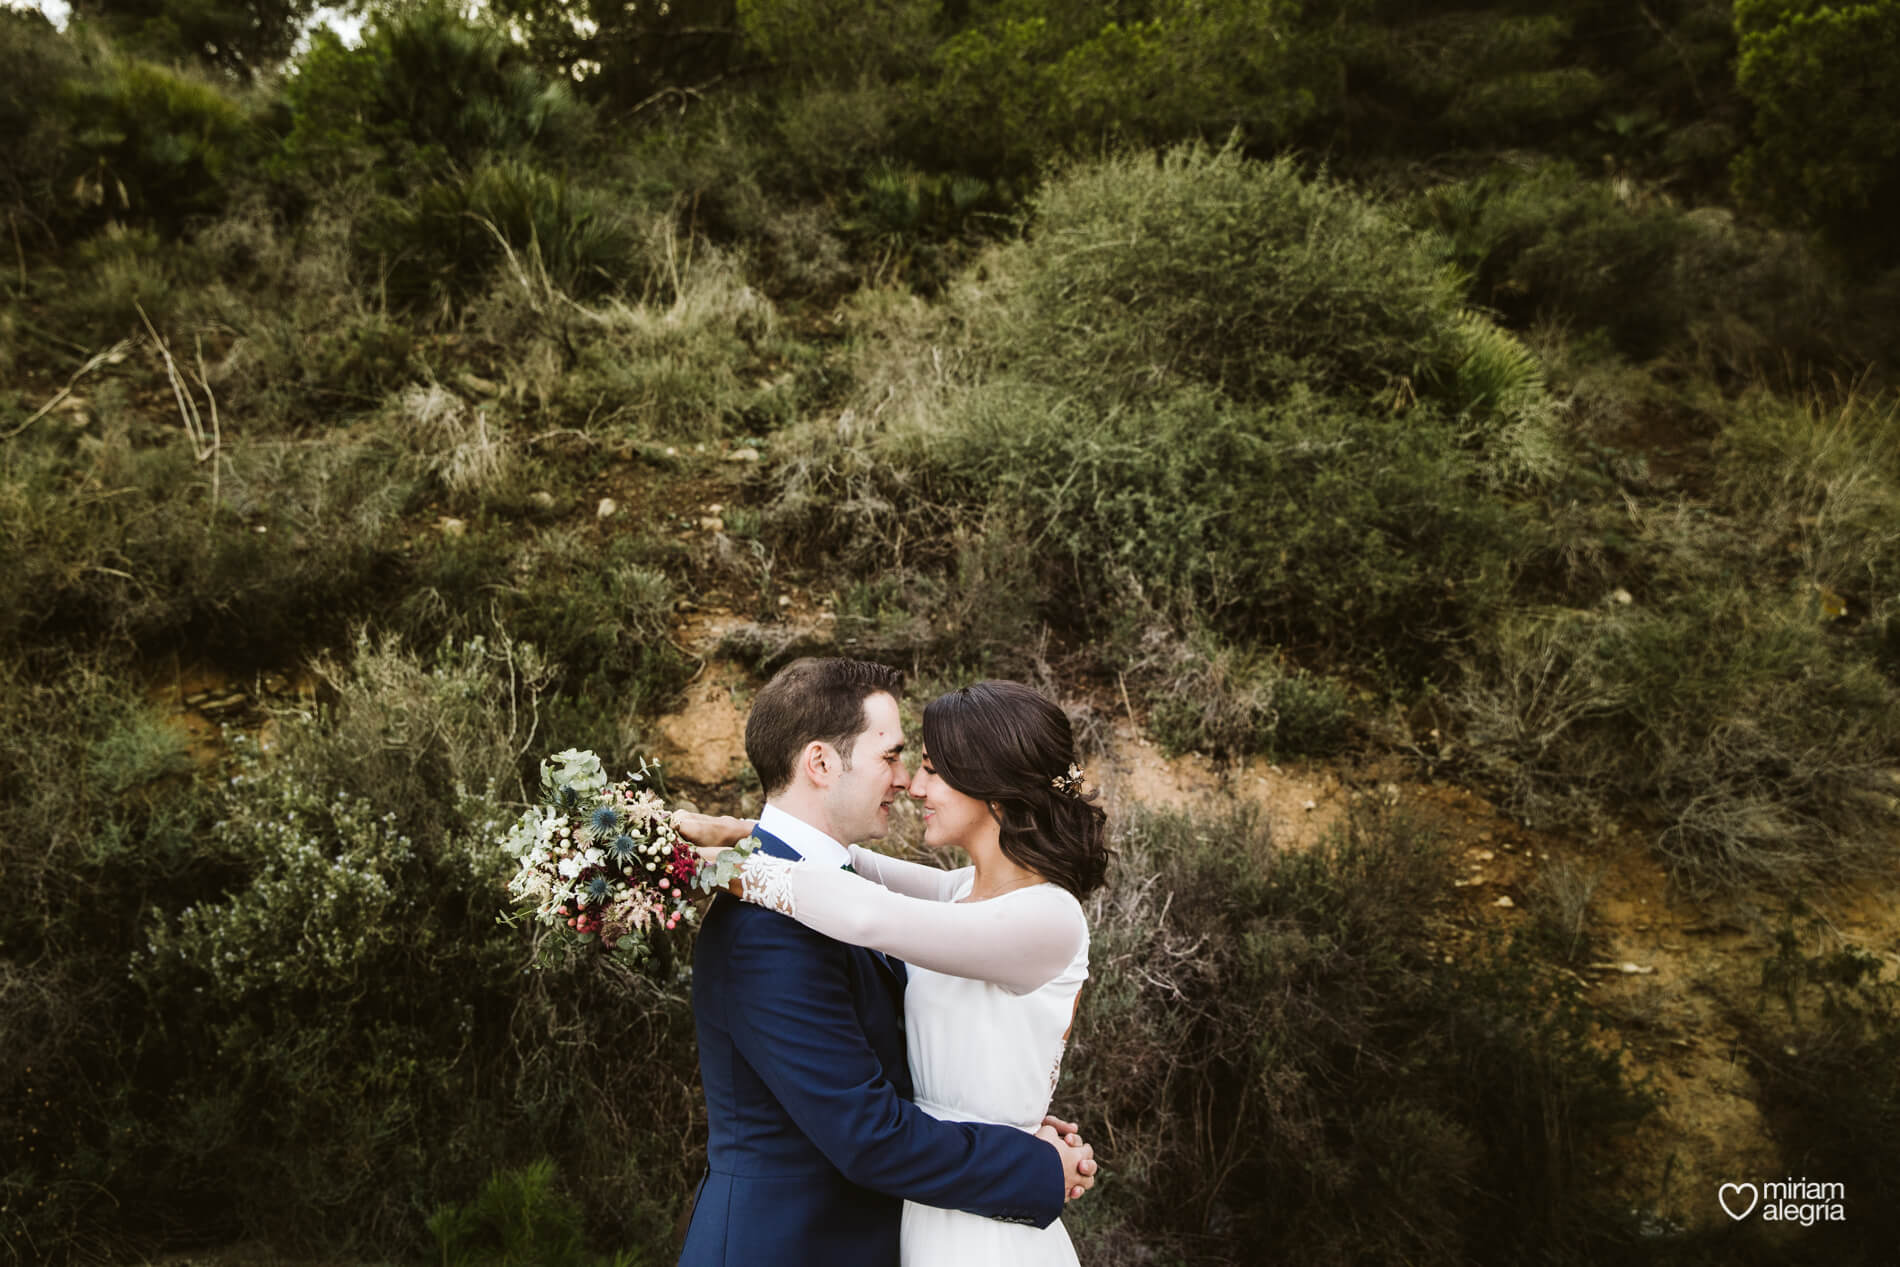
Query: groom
813, 1141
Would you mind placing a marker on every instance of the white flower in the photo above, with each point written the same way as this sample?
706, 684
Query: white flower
576, 768
570, 867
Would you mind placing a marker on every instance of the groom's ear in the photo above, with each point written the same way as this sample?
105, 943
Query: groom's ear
818, 762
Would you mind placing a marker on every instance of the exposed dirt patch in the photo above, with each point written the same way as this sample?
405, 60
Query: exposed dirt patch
1300, 802
199, 701
704, 743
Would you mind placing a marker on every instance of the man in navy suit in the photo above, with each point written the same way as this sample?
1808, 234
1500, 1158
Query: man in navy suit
813, 1143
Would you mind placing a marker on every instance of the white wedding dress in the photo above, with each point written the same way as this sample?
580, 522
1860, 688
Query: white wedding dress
992, 992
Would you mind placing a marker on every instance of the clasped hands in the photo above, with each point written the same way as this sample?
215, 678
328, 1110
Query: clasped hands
1078, 1158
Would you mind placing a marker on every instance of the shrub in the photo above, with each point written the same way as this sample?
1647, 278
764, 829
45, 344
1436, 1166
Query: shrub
96, 812
427, 89
599, 611
1763, 753
835, 42
1213, 697
243, 38
1525, 104
110, 277
300, 537
688, 359
1304, 523
438, 246
34, 61
1547, 240
1826, 117
342, 1034
1018, 86
458, 447
1205, 268
157, 144
1206, 381
1820, 479
303, 339
1830, 1080
1290, 1047
519, 1219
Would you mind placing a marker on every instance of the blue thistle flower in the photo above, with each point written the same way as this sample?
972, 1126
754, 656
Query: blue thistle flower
568, 798
622, 849
598, 891
604, 821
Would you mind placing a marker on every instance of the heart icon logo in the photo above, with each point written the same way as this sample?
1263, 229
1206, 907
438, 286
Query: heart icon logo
1754, 1197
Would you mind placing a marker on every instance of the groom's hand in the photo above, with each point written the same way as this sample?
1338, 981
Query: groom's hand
1078, 1159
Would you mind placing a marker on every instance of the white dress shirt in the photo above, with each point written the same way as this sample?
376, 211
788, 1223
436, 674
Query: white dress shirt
807, 841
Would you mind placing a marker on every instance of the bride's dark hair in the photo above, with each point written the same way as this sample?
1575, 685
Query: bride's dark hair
1003, 744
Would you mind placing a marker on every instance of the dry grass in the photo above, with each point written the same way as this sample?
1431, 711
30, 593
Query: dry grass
456, 444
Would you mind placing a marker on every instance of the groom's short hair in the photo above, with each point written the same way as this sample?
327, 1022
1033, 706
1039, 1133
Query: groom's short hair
812, 698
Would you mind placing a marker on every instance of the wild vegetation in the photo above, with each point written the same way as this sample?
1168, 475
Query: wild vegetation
1501, 387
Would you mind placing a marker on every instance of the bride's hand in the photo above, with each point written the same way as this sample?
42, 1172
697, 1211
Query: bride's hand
715, 831
1078, 1159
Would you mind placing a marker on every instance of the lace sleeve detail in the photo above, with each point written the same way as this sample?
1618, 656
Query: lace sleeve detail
767, 881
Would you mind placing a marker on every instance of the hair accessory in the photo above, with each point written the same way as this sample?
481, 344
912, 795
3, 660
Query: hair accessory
1069, 784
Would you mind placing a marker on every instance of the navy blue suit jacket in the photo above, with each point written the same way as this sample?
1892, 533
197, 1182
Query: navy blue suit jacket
813, 1141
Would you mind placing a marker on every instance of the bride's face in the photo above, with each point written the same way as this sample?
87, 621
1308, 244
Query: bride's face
950, 817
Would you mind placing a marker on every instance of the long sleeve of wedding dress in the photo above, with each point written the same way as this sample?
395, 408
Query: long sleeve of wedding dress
1021, 943
914, 879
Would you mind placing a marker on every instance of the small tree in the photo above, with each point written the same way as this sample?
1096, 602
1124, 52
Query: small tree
1826, 152
241, 37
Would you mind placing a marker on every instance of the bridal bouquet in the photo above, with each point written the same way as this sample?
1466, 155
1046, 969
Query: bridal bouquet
600, 861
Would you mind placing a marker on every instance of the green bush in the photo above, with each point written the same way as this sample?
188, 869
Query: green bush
1831, 1076
243, 38
154, 144
698, 354
519, 1219
599, 611
1524, 104
1549, 241
1758, 747
1291, 1046
97, 811
1436, 78
438, 246
427, 89
1020, 84
340, 1033
301, 536
1211, 697
1203, 384
836, 42
34, 61
1821, 480
109, 278
1826, 117
309, 341
1544, 243
1205, 268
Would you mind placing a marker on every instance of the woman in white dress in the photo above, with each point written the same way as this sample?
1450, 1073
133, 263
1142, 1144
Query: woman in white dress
995, 952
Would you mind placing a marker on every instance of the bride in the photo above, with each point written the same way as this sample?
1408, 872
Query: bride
996, 951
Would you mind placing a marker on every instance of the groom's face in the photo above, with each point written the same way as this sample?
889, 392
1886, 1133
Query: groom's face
858, 803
